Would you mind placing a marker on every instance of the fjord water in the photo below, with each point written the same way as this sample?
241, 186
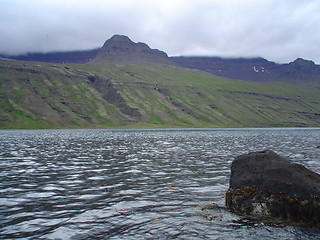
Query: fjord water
136, 184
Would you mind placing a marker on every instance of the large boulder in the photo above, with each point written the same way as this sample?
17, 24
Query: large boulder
266, 185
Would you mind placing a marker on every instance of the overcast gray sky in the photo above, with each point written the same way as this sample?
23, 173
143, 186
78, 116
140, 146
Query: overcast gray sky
279, 31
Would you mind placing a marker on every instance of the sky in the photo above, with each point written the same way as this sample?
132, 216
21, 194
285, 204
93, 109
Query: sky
279, 31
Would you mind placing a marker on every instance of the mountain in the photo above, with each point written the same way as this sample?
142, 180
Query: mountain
254, 69
121, 50
56, 57
131, 85
299, 72
248, 69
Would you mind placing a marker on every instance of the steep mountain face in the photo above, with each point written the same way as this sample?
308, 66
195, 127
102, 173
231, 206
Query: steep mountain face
129, 84
57, 57
247, 69
58, 96
300, 71
255, 69
45, 95
121, 50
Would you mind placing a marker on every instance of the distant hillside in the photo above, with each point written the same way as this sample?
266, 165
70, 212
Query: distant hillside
120, 49
299, 72
254, 69
248, 69
57, 57
44, 95
131, 85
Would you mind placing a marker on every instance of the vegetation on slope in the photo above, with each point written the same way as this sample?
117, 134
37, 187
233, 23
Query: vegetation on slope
46, 95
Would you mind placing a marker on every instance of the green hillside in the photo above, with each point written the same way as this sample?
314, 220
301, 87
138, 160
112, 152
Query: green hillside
45, 95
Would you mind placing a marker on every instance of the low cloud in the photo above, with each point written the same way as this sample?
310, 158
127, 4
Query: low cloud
280, 31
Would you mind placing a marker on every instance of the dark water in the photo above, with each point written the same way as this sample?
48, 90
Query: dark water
135, 184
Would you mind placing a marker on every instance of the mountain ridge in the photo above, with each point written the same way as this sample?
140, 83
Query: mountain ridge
46, 95
129, 85
299, 71
119, 49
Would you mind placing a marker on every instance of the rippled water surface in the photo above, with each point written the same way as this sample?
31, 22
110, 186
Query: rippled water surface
136, 184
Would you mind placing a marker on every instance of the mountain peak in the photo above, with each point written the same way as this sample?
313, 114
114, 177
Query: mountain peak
119, 49
300, 71
303, 62
119, 37
117, 41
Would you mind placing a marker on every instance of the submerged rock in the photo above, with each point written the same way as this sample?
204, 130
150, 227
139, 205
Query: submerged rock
264, 184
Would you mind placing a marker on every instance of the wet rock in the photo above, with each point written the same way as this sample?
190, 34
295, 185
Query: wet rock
264, 184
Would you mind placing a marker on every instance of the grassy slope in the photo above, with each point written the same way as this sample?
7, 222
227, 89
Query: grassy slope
186, 97
43, 95
39, 95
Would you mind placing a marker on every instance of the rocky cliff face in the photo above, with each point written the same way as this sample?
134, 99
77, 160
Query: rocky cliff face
121, 50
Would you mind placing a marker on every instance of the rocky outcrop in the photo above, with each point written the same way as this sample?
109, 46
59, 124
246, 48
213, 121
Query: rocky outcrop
107, 90
266, 185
